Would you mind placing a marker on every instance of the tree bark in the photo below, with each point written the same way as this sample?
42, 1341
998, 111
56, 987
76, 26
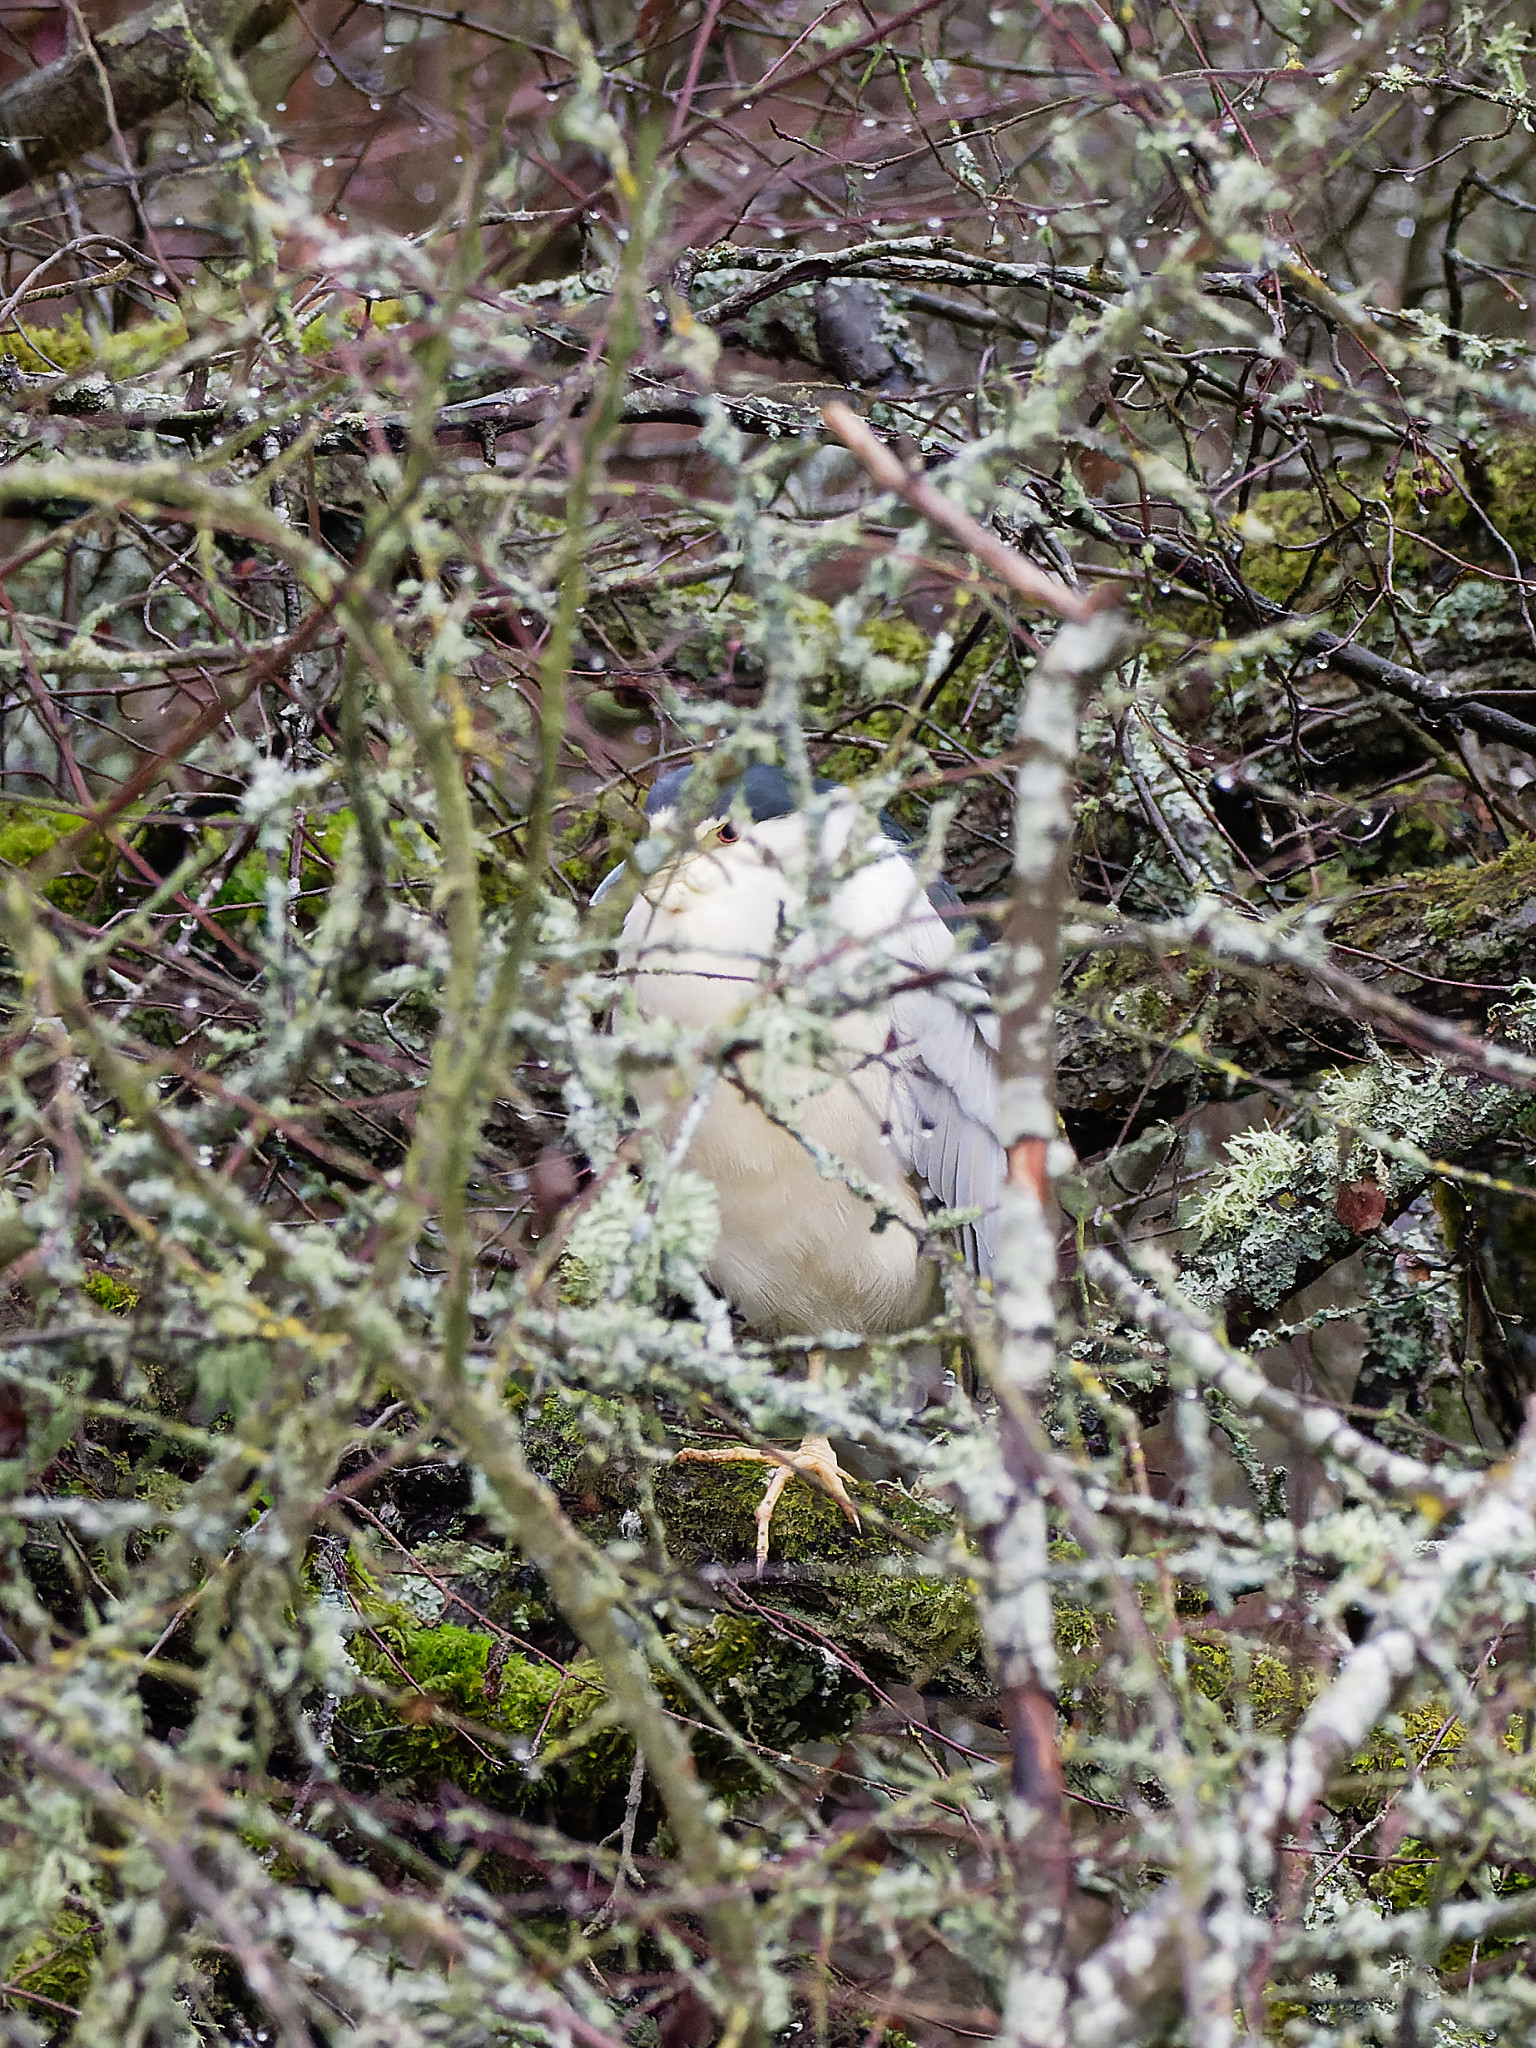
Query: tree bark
1018, 1616
154, 58
1450, 941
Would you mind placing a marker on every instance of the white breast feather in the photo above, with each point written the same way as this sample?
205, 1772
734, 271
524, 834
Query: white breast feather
908, 1092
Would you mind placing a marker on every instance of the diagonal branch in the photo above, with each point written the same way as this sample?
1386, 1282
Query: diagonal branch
1035, 586
53, 116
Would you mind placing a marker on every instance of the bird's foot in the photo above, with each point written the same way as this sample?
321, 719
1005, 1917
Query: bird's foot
815, 1460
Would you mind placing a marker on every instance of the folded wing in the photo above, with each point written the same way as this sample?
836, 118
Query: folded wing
942, 1058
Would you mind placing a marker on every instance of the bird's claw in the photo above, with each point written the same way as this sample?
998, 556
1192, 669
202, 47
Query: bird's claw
815, 1461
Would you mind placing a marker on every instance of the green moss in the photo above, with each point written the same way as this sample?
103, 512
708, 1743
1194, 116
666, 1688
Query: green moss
438, 1676
843, 1613
241, 895
1236, 1677
926, 1631
27, 830
1456, 502
1404, 1883
1119, 981
67, 345
523, 1738
704, 625
331, 831
776, 1690
898, 639
1426, 1738
865, 1591
1422, 1737
1278, 2009
1457, 923
1425, 833
240, 901
1077, 1630
1418, 1874
1464, 898
332, 329
114, 1295
1285, 535
568, 1440
58, 1965
1510, 469
901, 654
597, 840
1430, 508
709, 1509
1463, 920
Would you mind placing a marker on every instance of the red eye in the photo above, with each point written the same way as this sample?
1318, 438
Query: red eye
729, 833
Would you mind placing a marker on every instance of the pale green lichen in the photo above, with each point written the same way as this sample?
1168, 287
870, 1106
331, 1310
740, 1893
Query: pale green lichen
635, 1237
1273, 1213
348, 1554
1261, 1166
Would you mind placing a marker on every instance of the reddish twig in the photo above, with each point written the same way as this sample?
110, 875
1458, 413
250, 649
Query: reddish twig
1035, 586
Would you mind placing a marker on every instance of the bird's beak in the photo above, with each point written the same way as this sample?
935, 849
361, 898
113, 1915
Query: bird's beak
606, 886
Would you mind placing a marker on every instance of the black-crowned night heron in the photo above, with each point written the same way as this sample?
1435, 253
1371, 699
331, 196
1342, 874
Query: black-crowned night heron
902, 1094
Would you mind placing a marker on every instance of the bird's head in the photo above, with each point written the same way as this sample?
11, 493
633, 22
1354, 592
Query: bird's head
750, 823
753, 833
759, 797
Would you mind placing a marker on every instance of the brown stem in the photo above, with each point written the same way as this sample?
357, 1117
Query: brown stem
1035, 586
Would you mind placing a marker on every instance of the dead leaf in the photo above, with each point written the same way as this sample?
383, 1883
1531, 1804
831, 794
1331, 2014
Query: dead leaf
1360, 1204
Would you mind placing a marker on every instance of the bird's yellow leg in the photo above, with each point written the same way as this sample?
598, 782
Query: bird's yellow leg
815, 1460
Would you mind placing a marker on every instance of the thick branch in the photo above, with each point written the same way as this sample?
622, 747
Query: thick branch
1257, 948
1311, 1428
1446, 943
1432, 699
1019, 1618
51, 117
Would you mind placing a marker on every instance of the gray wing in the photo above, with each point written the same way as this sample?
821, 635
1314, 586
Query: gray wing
943, 1110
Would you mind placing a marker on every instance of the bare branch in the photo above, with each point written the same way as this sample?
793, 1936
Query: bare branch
1036, 586
52, 117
